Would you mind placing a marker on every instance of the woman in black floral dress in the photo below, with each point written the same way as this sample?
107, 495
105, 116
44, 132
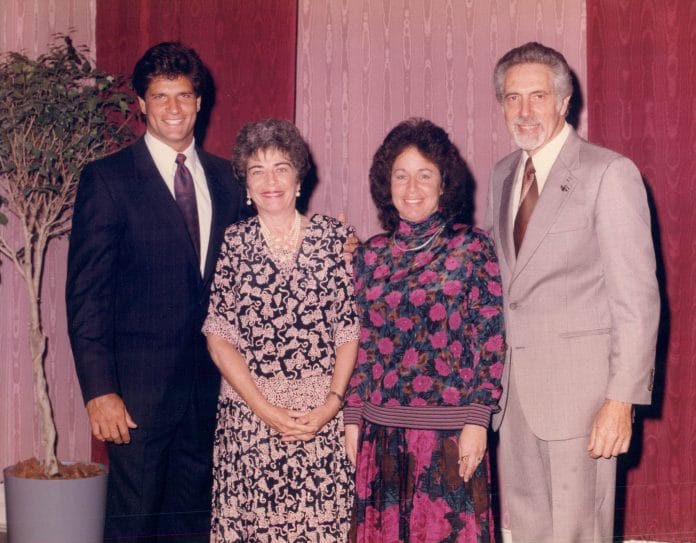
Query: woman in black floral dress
282, 328
431, 350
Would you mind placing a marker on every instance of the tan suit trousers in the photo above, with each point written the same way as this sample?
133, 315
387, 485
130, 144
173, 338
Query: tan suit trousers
555, 492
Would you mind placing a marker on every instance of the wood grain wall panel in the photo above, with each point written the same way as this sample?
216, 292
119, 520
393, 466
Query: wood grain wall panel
642, 96
28, 27
365, 65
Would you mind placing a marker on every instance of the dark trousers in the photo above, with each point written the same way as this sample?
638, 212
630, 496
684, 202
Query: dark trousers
160, 484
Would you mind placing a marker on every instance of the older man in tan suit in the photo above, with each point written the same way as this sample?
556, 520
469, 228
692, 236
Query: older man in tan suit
572, 229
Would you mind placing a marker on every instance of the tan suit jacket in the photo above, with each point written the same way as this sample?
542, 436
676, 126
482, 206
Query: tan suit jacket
581, 297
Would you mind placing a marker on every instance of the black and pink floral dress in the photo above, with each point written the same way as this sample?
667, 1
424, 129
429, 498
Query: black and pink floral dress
430, 361
287, 324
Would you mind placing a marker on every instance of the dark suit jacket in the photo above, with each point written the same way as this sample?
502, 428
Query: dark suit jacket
135, 296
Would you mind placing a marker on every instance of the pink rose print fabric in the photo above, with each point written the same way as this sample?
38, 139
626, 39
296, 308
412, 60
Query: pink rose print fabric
430, 360
430, 318
409, 490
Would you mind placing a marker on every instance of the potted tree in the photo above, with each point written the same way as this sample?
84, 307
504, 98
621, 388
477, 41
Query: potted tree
57, 113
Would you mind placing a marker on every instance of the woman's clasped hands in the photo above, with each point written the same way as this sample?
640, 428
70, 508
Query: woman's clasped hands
295, 425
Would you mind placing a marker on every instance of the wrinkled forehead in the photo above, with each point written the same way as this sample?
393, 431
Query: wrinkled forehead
528, 76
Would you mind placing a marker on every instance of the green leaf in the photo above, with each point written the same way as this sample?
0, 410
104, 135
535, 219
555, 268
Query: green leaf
56, 113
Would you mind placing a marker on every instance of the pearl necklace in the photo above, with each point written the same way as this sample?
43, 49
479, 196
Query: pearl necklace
422, 245
283, 247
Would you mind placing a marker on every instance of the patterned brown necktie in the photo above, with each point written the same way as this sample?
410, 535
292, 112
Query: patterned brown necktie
185, 194
528, 199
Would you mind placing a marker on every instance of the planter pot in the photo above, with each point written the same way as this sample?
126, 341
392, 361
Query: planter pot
3, 517
59, 510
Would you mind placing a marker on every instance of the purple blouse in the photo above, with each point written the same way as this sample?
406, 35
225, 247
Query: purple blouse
431, 340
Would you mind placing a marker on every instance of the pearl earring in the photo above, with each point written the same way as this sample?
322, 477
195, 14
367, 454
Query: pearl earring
248, 200
297, 194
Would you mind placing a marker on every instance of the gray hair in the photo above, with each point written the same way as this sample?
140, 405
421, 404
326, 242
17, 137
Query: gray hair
269, 134
535, 53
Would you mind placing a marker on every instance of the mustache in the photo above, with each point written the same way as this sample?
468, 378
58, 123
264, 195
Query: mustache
526, 121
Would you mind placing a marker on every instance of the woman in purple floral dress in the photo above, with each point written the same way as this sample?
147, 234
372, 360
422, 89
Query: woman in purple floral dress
283, 330
430, 357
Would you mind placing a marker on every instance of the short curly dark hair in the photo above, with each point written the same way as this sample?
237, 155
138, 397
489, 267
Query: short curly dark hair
434, 144
270, 134
170, 60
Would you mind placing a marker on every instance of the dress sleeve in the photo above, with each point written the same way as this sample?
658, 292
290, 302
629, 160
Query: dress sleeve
344, 318
484, 313
221, 320
359, 384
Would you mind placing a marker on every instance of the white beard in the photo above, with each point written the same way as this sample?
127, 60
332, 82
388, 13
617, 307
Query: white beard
528, 141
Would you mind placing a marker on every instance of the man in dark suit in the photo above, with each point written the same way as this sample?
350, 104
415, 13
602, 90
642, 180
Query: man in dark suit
572, 229
147, 226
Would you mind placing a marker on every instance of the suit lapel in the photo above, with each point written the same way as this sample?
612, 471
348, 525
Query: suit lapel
505, 218
219, 197
558, 188
163, 203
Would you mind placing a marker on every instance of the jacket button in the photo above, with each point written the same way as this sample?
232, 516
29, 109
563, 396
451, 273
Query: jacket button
513, 306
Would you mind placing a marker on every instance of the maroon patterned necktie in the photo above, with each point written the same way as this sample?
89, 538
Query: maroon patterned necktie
528, 199
185, 194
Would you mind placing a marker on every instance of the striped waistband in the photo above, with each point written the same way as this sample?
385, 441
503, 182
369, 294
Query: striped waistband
432, 417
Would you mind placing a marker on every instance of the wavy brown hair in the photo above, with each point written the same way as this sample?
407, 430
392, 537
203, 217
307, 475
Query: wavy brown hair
434, 144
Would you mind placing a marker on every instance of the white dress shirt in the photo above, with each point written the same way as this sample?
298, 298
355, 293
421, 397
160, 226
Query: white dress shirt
165, 160
543, 162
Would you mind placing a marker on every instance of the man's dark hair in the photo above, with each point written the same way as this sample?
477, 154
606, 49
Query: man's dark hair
434, 144
170, 60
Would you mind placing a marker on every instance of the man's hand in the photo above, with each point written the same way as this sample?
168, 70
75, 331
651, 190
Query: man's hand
109, 419
611, 429
351, 243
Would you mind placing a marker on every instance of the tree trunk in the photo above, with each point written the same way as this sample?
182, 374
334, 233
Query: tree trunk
37, 344
47, 427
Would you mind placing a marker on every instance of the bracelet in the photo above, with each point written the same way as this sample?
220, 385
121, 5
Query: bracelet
339, 396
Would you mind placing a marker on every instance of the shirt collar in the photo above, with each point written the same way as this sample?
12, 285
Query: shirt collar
547, 155
162, 153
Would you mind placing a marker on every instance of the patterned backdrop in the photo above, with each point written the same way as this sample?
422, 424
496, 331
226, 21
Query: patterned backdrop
642, 96
362, 66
